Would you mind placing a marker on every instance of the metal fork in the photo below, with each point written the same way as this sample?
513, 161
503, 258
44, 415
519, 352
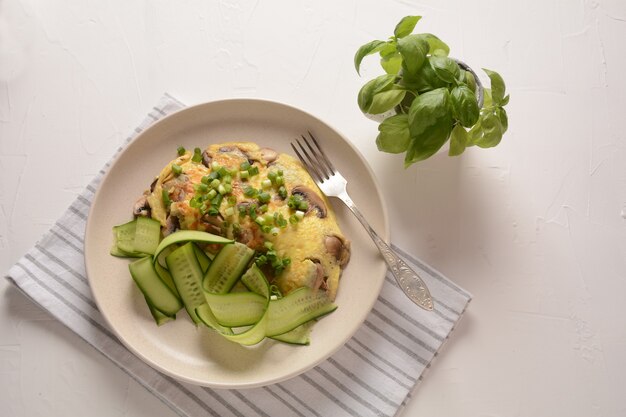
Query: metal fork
333, 184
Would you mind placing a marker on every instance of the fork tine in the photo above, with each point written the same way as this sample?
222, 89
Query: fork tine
321, 151
307, 164
320, 163
315, 159
313, 162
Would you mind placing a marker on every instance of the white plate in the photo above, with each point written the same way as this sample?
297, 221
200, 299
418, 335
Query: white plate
197, 355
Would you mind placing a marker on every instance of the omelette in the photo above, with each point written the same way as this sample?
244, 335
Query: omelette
258, 197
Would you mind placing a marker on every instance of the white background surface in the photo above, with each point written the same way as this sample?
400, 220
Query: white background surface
534, 228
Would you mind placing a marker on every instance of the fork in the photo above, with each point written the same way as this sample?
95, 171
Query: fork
333, 184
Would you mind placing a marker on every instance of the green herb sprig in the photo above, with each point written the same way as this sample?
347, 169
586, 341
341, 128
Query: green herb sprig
434, 99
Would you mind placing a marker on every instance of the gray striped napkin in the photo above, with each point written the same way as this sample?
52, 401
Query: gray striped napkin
372, 375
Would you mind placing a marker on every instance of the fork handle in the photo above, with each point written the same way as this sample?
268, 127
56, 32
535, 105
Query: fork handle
408, 280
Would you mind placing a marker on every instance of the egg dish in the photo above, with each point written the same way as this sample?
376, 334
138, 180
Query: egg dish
258, 197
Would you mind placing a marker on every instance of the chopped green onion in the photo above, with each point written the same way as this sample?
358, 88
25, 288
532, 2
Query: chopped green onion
177, 169
261, 260
244, 166
303, 205
280, 180
269, 245
244, 175
197, 155
264, 197
228, 187
263, 208
223, 171
214, 175
266, 228
280, 172
221, 189
266, 184
242, 209
274, 231
231, 200
166, 198
205, 180
272, 176
227, 179
217, 201
181, 151
293, 219
254, 170
202, 187
299, 214
211, 194
215, 166
282, 192
229, 211
215, 183
252, 211
213, 211
249, 191
293, 201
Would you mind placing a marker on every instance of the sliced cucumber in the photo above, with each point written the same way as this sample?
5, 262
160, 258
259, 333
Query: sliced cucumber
203, 258
187, 277
159, 318
298, 336
255, 281
125, 236
237, 309
166, 277
296, 308
226, 268
189, 236
154, 289
115, 251
147, 235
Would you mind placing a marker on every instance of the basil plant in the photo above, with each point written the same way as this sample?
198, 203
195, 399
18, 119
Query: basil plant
431, 99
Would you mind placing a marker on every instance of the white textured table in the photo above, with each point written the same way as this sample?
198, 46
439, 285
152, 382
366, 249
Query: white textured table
534, 228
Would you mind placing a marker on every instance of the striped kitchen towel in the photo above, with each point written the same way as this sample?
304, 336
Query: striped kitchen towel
372, 375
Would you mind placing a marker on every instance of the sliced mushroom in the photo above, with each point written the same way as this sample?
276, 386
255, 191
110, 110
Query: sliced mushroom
214, 223
206, 159
171, 225
314, 200
339, 248
320, 276
153, 184
268, 154
142, 207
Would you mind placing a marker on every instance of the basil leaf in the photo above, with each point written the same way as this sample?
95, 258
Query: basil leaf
504, 118
491, 130
497, 86
429, 141
406, 26
428, 109
445, 68
505, 100
365, 50
464, 105
394, 136
391, 63
385, 100
424, 80
435, 45
388, 49
458, 140
470, 81
367, 92
413, 49
487, 102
